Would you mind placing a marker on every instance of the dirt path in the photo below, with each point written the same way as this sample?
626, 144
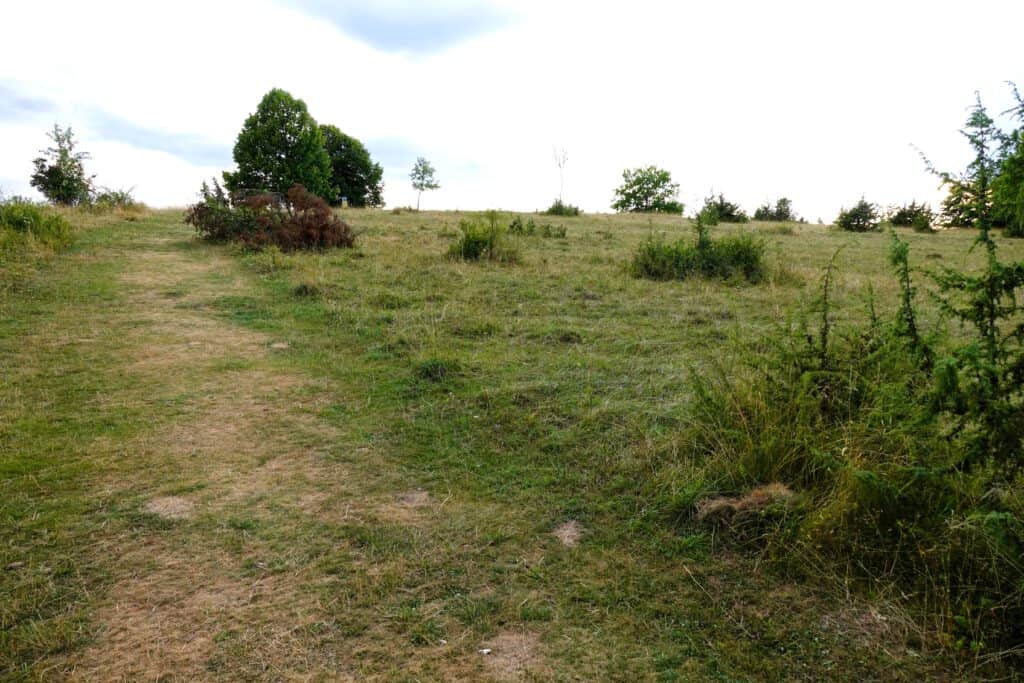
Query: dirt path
227, 447
238, 501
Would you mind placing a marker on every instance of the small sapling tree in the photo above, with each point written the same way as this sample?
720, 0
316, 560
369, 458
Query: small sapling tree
59, 173
423, 178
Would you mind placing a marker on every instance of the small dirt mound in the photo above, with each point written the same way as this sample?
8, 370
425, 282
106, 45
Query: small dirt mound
568, 533
511, 655
725, 508
170, 507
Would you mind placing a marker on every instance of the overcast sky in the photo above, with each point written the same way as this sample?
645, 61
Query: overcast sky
817, 101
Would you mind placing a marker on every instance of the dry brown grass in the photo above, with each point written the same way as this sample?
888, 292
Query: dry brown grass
512, 655
725, 508
569, 533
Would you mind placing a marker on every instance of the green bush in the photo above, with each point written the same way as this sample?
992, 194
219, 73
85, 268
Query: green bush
863, 217
910, 215
903, 448
782, 211
558, 208
23, 223
484, 240
28, 232
725, 257
107, 199
724, 210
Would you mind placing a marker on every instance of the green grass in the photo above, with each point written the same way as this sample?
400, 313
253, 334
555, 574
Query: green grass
142, 365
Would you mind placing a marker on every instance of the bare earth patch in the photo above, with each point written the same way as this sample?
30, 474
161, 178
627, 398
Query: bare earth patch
407, 507
568, 533
513, 654
170, 507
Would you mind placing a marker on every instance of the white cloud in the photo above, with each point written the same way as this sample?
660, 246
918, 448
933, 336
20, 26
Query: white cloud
817, 101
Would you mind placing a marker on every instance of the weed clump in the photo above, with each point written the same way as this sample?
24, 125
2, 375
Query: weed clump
724, 258
299, 220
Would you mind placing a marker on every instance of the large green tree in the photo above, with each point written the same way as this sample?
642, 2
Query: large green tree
281, 145
59, 172
354, 175
647, 189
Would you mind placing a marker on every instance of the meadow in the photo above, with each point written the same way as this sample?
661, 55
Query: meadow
380, 463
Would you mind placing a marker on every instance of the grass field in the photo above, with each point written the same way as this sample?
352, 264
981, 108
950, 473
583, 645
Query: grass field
374, 464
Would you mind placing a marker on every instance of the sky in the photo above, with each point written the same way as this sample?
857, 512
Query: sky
821, 102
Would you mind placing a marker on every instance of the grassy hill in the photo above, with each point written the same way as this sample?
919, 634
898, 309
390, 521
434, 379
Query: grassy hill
380, 463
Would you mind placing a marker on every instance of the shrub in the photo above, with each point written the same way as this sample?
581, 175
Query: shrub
483, 241
726, 211
922, 223
911, 214
782, 211
215, 218
904, 449
863, 217
725, 257
107, 199
558, 208
300, 220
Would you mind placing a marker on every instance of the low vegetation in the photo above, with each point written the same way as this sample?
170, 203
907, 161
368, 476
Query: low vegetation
530, 228
863, 217
560, 208
912, 215
724, 257
28, 232
782, 211
483, 240
723, 210
298, 220
902, 447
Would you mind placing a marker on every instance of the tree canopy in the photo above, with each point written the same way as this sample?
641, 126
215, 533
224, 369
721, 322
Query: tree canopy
647, 189
422, 177
354, 175
281, 145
